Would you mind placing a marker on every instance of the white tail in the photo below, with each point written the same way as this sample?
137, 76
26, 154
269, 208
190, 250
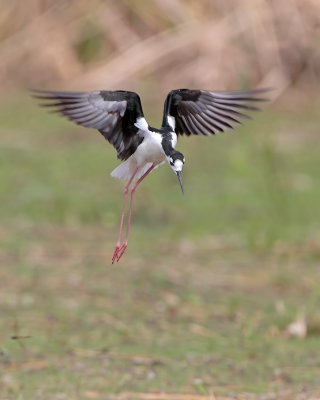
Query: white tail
126, 169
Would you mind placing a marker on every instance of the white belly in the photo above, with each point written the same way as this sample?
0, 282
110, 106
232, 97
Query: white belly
150, 150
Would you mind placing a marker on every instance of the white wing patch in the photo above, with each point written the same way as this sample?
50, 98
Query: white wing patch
172, 122
142, 124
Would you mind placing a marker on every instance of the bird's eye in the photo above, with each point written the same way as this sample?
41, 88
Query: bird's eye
171, 161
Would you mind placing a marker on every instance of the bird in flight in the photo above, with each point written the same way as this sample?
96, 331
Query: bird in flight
119, 117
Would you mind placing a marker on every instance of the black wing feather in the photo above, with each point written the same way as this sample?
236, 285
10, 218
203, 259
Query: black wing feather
113, 113
201, 112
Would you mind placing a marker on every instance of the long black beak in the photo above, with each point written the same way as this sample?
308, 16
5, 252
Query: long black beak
180, 180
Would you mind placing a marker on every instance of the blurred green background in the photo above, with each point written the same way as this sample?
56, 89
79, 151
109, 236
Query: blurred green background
217, 295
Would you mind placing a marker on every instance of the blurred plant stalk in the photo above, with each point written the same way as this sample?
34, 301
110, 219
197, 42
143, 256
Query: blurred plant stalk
115, 44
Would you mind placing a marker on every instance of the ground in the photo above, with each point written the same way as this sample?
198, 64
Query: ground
201, 305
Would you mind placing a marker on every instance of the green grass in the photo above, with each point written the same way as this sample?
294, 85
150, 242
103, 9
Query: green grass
200, 302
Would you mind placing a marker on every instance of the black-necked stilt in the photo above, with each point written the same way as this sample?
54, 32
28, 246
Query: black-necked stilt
119, 117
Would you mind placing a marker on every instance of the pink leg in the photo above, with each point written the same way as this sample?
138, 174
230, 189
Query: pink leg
125, 244
126, 189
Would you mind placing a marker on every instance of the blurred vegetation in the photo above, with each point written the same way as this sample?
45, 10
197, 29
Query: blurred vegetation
218, 292
206, 44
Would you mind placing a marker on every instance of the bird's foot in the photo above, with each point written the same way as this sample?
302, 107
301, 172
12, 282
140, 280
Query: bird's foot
115, 254
119, 251
122, 250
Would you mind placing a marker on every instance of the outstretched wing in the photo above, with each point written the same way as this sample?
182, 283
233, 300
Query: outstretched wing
113, 113
200, 112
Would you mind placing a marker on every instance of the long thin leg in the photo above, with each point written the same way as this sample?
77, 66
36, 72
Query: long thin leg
126, 189
125, 243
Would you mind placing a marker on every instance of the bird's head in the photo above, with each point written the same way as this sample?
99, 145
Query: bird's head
176, 161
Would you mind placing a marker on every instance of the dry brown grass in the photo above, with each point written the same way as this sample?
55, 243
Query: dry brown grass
123, 43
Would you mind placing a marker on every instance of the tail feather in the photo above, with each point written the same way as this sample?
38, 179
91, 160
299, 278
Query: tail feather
126, 169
